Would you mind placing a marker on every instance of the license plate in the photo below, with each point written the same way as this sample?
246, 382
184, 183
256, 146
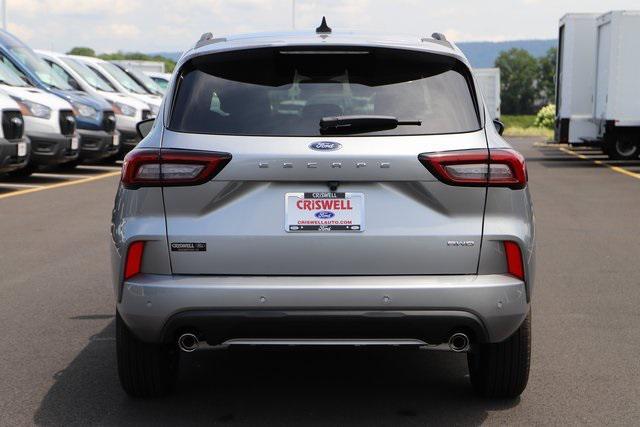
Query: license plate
116, 140
324, 212
74, 143
22, 149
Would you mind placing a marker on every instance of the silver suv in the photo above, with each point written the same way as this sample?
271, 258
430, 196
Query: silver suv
323, 189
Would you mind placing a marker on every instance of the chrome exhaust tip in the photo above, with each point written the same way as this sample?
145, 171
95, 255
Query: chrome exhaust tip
459, 342
188, 342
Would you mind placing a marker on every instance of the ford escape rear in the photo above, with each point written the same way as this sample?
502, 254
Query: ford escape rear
323, 189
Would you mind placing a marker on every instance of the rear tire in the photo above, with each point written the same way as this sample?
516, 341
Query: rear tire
145, 370
502, 369
624, 147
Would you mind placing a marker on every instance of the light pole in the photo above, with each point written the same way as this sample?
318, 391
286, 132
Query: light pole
293, 14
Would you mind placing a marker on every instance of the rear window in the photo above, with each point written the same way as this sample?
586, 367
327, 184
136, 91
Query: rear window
276, 92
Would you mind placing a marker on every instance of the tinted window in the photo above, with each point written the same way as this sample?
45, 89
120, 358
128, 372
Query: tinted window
33, 62
122, 78
145, 81
163, 83
63, 74
88, 75
277, 92
104, 78
8, 74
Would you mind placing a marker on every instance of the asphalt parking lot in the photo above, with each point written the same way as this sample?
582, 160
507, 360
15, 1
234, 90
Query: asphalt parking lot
57, 362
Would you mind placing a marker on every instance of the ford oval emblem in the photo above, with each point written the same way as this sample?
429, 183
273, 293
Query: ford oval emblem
324, 215
325, 146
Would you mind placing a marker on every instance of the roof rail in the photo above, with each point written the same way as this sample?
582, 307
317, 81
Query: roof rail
207, 38
438, 38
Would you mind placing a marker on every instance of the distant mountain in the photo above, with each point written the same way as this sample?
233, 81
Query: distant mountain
480, 54
484, 54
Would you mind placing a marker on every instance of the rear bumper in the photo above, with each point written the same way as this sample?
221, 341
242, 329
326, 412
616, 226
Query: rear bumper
97, 144
9, 160
51, 149
157, 307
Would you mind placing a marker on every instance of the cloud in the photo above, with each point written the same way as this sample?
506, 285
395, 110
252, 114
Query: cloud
119, 31
23, 32
75, 7
169, 25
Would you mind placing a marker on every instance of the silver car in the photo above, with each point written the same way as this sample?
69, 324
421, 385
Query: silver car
321, 188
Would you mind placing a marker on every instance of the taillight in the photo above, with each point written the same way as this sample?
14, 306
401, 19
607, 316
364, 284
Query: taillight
495, 168
514, 259
133, 261
155, 168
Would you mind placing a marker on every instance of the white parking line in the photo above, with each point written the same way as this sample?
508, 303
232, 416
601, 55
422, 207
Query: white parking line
601, 163
29, 188
97, 167
57, 175
12, 185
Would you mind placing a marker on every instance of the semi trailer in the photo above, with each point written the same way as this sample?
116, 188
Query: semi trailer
616, 110
488, 80
598, 91
575, 78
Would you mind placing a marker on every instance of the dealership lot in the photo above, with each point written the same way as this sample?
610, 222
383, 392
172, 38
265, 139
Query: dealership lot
58, 358
50, 179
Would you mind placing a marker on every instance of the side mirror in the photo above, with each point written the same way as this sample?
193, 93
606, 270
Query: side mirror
499, 126
144, 127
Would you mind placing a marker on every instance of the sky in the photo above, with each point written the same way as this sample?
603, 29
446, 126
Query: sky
161, 26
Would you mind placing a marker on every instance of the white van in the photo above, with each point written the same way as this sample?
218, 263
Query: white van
14, 146
49, 121
121, 81
129, 110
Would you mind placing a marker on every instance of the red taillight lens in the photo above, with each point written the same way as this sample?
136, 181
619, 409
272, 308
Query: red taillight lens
497, 168
507, 168
514, 259
154, 168
134, 259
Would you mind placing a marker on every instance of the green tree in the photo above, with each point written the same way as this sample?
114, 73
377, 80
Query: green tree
546, 74
82, 51
518, 74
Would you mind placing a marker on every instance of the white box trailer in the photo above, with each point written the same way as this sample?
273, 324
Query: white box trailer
488, 80
616, 110
575, 78
153, 66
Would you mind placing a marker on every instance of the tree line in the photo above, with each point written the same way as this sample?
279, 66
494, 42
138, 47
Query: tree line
527, 83
169, 64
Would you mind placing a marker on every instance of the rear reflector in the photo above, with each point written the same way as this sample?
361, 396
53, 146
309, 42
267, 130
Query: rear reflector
134, 259
160, 168
497, 168
514, 259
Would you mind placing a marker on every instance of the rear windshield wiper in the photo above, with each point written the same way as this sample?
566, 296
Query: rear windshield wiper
356, 124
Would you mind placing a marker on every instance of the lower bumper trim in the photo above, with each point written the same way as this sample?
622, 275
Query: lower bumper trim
324, 342
337, 327
156, 306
